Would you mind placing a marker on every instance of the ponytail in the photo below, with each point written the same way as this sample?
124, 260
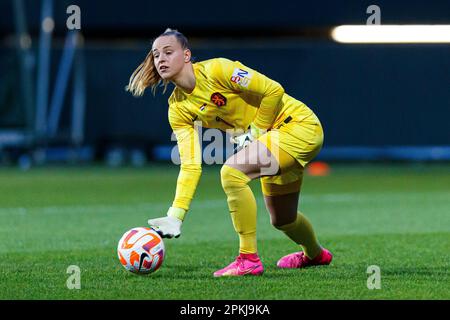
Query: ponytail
143, 77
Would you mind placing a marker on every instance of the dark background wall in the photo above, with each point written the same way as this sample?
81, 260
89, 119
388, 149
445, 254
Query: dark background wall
109, 17
365, 95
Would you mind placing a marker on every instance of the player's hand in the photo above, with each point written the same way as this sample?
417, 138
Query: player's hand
255, 131
242, 141
170, 226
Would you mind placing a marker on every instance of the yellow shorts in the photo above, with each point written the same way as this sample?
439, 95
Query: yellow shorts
301, 141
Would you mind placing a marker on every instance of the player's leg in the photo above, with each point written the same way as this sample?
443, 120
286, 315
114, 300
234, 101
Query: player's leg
282, 206
281, 194
236, 173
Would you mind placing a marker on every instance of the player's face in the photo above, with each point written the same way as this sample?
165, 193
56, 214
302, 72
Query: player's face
169, 57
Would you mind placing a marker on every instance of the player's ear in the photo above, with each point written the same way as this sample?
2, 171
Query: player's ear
187, 55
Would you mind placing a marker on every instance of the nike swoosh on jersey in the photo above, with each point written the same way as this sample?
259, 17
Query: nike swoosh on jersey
219, 119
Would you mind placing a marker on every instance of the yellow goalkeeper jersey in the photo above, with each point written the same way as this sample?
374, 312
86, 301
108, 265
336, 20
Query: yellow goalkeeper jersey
227, 96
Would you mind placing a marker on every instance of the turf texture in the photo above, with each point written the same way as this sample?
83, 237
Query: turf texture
396, 217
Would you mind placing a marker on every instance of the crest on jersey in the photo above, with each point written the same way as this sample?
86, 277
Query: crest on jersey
218, 99
241, 77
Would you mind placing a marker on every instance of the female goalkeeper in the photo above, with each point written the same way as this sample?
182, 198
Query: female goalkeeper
277, 131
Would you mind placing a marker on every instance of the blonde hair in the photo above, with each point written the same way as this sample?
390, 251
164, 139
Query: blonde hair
146, 74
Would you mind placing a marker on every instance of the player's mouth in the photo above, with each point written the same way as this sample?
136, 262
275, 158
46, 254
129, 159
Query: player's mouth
163, 68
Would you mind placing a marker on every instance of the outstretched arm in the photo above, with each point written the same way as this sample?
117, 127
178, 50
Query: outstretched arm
190, 169
188, 178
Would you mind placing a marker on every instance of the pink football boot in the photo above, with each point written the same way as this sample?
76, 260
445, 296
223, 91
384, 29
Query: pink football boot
300, 260
245, 264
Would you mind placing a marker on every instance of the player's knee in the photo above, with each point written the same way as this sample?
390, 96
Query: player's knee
232, 178
281, 224
276, 223
284, 220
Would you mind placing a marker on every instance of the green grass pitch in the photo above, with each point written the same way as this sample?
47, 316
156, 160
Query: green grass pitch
396, 217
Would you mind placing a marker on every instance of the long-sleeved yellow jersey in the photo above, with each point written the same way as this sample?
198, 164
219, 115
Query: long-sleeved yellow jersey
227, 96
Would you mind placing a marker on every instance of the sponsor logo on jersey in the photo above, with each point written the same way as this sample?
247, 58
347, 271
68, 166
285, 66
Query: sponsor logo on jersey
218, 99
241, 77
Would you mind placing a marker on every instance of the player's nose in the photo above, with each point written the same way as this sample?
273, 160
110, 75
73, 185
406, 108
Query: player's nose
162, 58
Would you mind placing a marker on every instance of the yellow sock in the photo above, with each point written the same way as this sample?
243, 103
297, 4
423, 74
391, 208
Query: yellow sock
242, 205
302, 233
